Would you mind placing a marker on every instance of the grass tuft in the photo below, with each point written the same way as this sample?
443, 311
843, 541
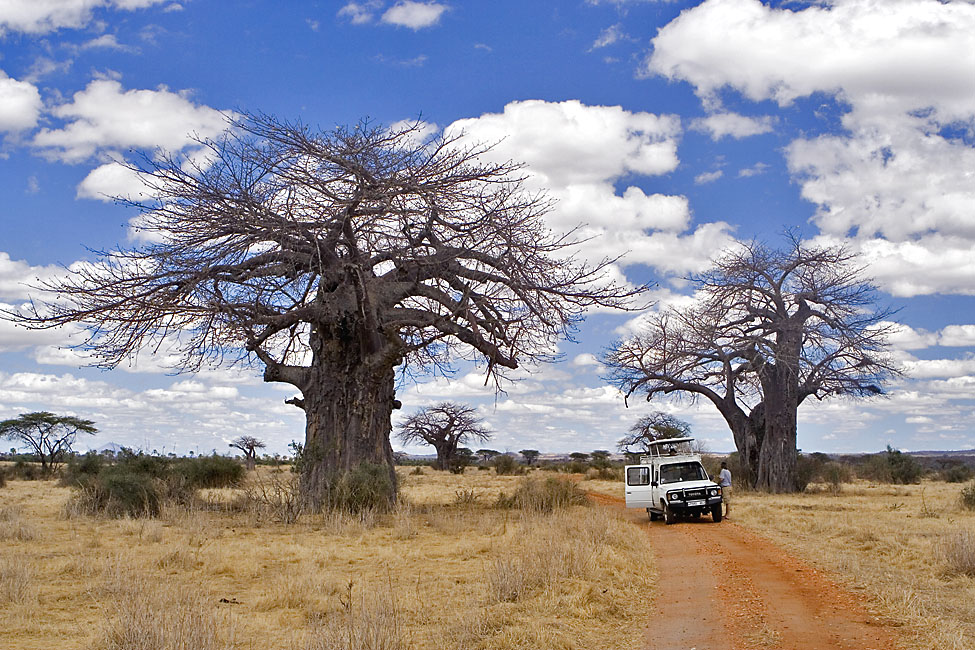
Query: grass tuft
16, 583
959, 552
535, 495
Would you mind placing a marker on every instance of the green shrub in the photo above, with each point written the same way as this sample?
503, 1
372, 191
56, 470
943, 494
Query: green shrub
554, 493
834, 474
506, 465
25, 471
118, 493
209, 471
957, 474
80, 470
891, 466
461, 459
574, 467
807, 468
139, 463
366, 487
968, 496
605, 474
3, 477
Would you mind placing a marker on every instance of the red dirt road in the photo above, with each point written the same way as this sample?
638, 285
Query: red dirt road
722, 587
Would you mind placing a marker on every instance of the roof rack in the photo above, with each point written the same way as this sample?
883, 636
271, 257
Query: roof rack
668, 447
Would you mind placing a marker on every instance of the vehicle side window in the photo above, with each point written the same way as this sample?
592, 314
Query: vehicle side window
638, 476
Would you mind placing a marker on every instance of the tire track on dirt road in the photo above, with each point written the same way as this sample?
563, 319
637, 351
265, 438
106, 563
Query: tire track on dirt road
723, 586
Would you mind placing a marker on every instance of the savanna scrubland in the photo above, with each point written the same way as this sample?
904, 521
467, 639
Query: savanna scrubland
447, 569
450, 568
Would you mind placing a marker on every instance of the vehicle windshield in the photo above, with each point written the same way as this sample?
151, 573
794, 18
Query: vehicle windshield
676, 472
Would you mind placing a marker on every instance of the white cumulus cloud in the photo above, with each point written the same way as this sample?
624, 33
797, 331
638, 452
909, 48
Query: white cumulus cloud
898, 177
580, 155
105, 117
43, 16
20, 104
721, 125
415, 15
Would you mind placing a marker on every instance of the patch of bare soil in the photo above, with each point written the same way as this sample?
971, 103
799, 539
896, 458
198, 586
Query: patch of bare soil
723, 586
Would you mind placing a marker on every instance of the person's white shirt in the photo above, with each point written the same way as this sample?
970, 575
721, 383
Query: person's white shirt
724, 478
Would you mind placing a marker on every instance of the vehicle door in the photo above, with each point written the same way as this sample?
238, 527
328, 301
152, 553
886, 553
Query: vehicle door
639, 492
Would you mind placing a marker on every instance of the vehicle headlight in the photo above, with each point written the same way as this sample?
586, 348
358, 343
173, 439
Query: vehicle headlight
713, 492
673, 496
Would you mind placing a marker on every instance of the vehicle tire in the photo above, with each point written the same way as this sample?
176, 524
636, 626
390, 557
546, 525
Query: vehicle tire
654, 516
716, 513
669, 516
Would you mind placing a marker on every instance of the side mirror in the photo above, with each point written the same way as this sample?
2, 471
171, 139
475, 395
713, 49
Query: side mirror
653, 484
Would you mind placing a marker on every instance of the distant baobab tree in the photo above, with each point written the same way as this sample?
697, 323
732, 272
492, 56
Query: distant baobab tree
445, 427
249, 445
770, 329
646, 429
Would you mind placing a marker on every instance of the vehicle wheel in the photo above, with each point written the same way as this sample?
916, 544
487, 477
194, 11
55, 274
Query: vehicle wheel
716, 513
669, 516
654, 516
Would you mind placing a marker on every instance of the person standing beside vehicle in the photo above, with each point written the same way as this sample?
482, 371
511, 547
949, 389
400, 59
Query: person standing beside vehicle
724, 482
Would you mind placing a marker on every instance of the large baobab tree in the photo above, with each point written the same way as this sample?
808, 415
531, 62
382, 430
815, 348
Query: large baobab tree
770, 329
445, 426
334, 259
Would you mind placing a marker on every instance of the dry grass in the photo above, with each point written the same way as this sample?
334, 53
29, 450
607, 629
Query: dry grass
13, 527
959, 553
231, 574
905, 548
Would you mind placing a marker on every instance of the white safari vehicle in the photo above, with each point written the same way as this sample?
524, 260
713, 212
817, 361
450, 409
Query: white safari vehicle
671, 482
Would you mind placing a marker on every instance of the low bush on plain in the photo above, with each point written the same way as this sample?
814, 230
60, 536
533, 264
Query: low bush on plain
535, 495
967, 496
23, 470
273, 499
138, 485
3, 477
892, 466
80, 470
835, 474
957, 474
210, 471
365, 487
505, 465
605, 474
118, 492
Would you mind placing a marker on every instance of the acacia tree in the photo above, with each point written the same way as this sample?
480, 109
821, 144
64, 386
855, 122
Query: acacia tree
530, 455
249, 445
333, 259
48, 436
655, 426
445, 426
770, 329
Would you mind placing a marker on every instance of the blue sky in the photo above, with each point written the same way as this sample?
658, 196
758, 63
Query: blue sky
667, 129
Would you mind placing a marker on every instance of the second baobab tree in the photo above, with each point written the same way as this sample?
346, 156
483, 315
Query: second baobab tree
333, 260
446, 427
249, 445
770, 328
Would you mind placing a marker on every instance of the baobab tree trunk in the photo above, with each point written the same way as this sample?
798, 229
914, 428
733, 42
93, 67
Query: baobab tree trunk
778, 455
348, 407
748, 432
780, 386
